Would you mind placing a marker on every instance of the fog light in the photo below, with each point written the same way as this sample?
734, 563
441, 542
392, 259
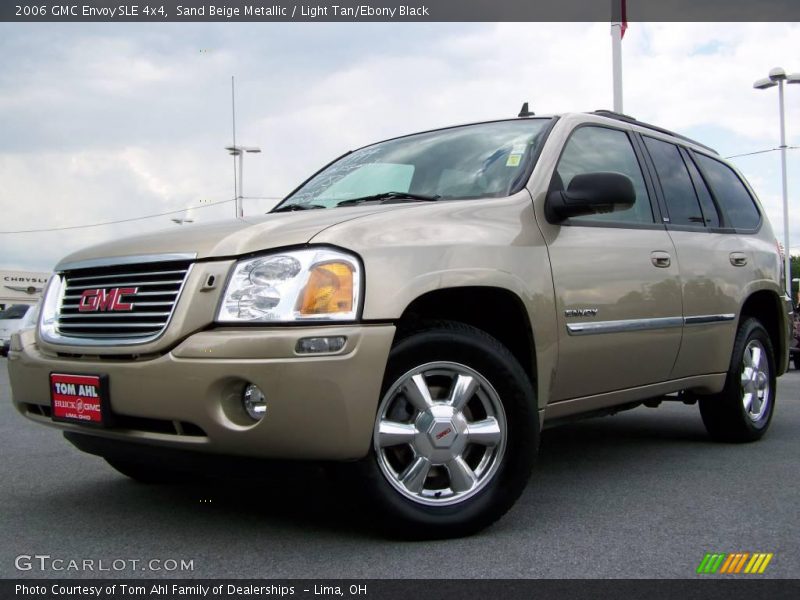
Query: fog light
254, 402
320, 345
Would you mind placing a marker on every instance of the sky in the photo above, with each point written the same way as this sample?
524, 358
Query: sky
110, 121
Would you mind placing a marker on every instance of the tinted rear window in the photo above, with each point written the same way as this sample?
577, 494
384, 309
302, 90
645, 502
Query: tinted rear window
710, 211
730, 192
679, 194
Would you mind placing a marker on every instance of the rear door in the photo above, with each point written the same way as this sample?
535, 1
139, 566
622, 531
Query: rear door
718, 262
617, 289
707, 252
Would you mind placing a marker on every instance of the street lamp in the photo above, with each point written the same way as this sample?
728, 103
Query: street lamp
240, 152
777, 76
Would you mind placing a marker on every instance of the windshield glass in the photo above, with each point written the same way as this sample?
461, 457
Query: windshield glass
487, 160
15, 311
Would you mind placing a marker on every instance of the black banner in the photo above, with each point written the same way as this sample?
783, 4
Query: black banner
398, 10
416, 589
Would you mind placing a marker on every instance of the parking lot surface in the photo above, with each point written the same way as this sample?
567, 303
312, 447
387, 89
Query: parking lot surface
641, 494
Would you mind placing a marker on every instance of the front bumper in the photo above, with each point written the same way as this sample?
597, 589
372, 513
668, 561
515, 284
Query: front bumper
319, 407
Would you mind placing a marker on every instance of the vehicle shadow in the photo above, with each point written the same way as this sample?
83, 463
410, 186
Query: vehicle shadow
287, 497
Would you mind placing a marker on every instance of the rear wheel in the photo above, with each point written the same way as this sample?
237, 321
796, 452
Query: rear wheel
743, 410
455, 435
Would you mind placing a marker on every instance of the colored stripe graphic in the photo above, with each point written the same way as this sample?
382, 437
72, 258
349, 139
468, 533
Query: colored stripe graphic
721, 563
765, 563
758, 563
731, 560
740, 564
711, 563
703, 563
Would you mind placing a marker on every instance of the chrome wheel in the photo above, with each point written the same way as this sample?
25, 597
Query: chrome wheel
755, 381
440, 433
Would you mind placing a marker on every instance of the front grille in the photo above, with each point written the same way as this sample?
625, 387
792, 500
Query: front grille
93, 306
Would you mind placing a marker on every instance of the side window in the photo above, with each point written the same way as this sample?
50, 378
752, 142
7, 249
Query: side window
710, 211
15, 311
730, 192
679, 194
600, 149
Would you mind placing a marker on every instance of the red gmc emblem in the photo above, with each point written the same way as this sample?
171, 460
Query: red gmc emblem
443, 433
106, 300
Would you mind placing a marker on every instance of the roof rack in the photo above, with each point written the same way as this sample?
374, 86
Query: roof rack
628, 119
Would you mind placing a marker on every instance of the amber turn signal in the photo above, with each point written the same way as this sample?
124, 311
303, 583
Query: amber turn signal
329, 290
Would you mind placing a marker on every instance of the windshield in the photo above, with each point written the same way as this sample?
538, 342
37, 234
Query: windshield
15, 311
487, 160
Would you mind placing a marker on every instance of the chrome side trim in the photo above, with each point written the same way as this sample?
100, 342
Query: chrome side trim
702, 319
624, 325
124, 260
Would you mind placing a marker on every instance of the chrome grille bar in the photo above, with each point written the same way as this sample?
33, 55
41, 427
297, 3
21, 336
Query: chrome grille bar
66, 306
130, 315
167, 293
122, 283
114, 326
124, 275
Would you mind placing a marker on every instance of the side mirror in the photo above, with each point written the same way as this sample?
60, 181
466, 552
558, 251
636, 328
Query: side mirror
590, 193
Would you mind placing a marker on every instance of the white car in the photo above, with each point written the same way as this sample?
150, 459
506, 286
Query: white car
12, 319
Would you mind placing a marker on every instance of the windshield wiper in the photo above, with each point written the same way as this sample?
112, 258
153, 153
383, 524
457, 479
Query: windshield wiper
399, 196
293, 207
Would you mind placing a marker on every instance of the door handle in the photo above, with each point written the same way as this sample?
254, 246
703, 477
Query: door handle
738, 259
662, 260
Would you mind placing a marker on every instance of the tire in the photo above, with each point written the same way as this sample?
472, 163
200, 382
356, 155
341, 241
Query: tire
743, 410
144, 472
451, 466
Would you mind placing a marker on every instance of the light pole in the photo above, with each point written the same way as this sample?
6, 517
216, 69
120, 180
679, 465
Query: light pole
240, 152
777, 76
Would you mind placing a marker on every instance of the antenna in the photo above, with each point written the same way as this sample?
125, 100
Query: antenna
524, 112
233, 119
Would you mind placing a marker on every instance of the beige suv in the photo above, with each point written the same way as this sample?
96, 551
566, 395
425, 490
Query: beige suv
421, 308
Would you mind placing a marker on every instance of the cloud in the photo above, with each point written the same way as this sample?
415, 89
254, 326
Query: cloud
102, 122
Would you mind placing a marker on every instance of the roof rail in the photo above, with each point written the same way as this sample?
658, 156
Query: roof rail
628, 119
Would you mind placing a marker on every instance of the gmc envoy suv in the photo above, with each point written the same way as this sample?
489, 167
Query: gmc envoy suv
420, 308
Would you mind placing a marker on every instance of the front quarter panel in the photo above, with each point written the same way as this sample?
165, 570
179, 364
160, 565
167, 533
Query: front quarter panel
427, 247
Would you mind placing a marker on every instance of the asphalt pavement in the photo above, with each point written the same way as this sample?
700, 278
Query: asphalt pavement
643, 494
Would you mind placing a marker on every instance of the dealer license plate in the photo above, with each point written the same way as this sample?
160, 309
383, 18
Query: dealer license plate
79, 398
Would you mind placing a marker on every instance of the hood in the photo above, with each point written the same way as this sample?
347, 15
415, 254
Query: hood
231, 237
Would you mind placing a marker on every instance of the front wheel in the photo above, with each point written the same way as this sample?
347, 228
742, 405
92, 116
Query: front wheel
455, 435
743, 410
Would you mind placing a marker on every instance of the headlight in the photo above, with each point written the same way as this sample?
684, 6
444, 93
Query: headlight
313, 284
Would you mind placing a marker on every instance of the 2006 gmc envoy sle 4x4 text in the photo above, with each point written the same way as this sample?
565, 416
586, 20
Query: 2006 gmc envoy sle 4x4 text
421, 308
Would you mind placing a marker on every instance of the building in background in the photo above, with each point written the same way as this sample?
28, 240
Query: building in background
21, 287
